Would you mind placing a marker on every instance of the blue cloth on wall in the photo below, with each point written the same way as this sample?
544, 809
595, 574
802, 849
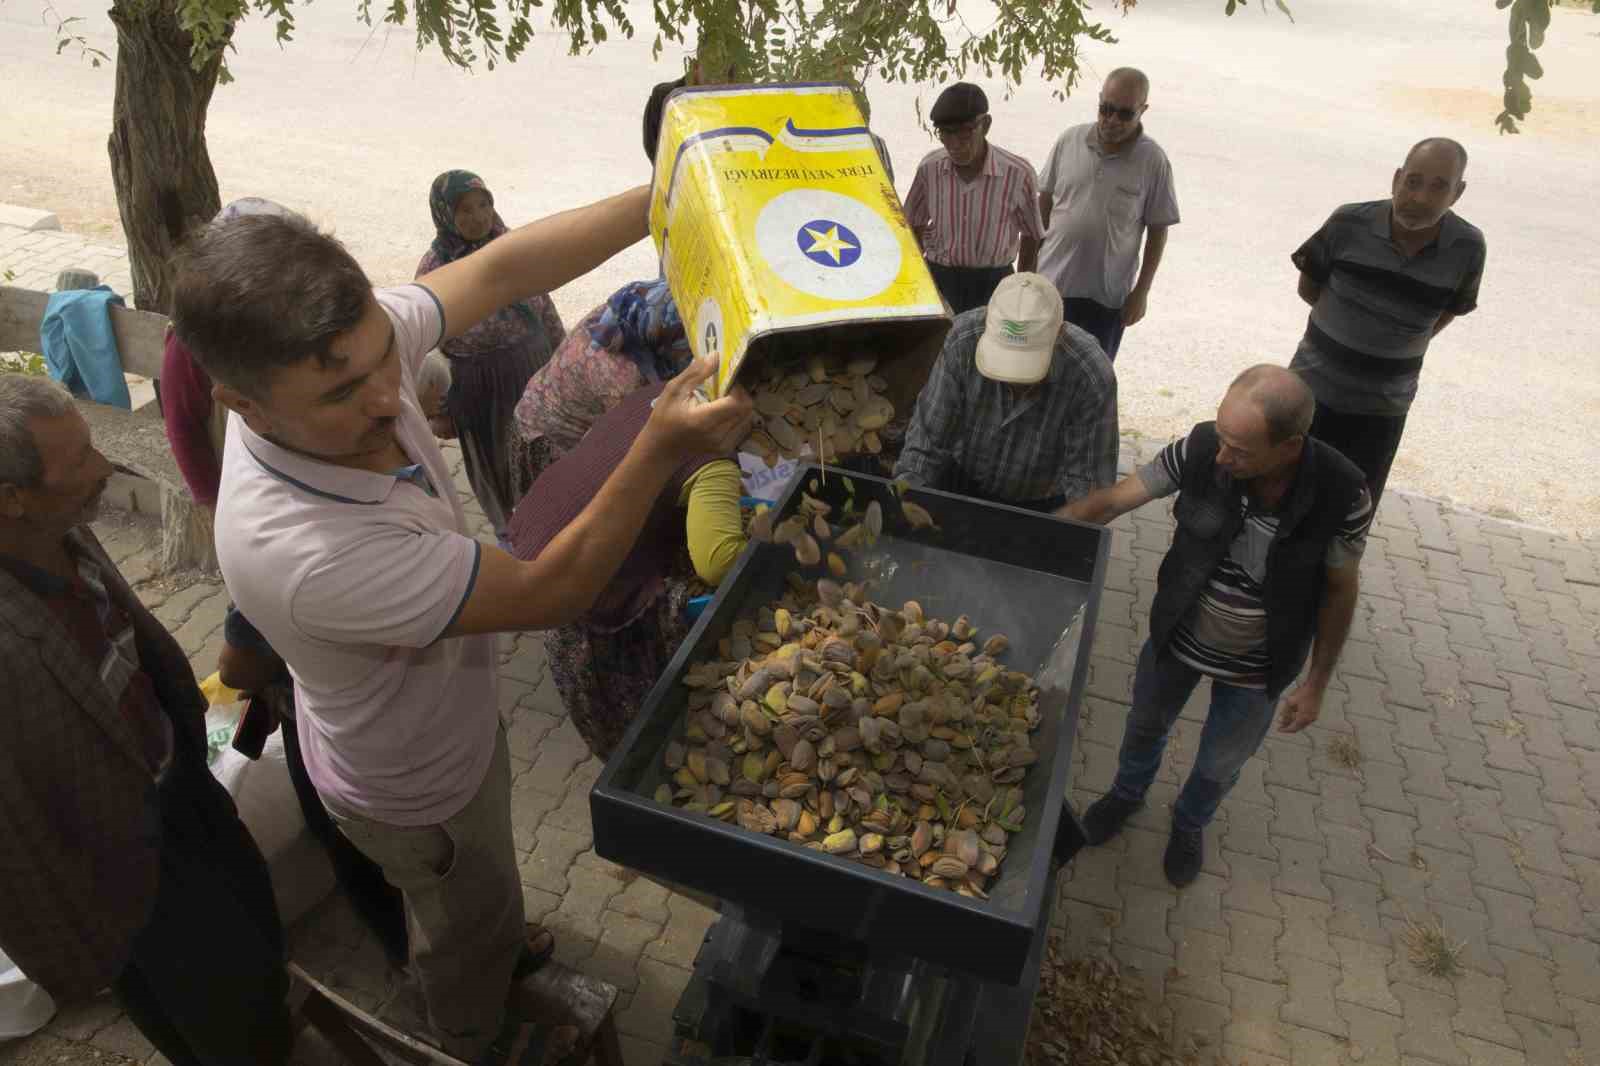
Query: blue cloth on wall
79, 347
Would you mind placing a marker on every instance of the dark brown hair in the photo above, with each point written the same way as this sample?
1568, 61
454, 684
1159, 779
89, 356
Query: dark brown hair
653, 111
258, 293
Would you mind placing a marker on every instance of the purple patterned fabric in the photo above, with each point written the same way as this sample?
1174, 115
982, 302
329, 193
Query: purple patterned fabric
491, 363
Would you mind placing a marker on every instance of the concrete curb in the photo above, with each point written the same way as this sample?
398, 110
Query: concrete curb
28, 218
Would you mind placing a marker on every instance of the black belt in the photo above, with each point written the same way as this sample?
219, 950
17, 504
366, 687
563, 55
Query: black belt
971, 269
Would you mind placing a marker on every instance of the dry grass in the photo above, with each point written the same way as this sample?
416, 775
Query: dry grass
1091, 1012
1511, 727
1430, 948
1344, 751
1519, 856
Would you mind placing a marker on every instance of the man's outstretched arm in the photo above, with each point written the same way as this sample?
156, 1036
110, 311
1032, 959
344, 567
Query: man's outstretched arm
537, 258
1105, 505
562, 582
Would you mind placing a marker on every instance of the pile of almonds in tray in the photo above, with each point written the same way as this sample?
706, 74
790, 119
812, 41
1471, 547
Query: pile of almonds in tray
872, 733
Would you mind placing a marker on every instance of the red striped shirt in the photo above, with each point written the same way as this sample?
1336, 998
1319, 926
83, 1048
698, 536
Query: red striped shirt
978, 223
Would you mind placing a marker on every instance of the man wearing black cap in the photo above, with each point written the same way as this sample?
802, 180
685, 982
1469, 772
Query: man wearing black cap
974, 206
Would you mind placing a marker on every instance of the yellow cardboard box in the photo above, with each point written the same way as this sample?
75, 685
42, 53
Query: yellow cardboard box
779, 232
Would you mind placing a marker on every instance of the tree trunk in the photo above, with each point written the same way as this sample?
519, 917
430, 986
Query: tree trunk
159, 162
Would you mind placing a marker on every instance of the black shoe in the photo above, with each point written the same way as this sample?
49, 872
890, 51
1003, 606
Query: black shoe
1186, 852
1103, 820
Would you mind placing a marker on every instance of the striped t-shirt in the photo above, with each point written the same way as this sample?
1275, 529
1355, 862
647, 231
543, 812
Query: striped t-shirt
1366, 336
1224, 635
977, 223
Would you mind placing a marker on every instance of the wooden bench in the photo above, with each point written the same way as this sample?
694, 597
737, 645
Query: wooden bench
134, 441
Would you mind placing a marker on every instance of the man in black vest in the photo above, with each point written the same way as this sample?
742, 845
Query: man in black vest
1270, 526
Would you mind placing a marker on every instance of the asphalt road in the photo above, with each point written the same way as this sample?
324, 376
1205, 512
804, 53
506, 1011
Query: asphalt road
1270, 125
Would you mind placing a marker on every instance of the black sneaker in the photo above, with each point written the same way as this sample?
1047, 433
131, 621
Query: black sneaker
1103, 820
1186, 852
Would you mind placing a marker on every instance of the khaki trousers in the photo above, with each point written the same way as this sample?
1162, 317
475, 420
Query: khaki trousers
463, 899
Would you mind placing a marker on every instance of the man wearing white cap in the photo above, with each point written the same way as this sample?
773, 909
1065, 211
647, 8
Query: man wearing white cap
1020, 408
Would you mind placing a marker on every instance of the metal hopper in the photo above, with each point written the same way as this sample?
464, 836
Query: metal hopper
1033, 577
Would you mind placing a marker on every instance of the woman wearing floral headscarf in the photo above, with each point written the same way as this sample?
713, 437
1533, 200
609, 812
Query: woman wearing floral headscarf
632, 340
491, 363
605, 662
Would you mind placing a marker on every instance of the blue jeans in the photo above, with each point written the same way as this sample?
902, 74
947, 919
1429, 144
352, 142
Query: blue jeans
1235, 726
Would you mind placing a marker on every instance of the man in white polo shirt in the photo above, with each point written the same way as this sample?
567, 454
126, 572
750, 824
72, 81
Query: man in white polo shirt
342, 539
1106, 185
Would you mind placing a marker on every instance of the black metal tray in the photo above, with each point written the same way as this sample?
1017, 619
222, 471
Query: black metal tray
1034, 577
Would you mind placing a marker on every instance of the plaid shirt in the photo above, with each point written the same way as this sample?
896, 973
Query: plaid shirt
988, 439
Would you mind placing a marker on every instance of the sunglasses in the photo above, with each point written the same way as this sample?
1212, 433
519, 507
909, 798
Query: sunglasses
1126, 114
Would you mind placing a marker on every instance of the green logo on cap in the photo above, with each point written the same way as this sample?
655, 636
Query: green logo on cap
1014, 333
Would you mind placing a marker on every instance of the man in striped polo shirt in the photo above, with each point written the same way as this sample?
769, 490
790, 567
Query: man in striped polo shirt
1263, 573
1383, 278
973, 205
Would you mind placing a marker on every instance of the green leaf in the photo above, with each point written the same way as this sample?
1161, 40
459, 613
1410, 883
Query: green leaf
1232, 6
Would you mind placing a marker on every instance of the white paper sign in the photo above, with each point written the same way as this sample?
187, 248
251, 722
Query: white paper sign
765, 482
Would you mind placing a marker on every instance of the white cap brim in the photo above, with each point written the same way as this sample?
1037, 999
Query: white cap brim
1013, 366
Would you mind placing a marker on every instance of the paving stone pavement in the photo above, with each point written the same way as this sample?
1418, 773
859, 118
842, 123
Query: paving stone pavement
1469, 688
35, 257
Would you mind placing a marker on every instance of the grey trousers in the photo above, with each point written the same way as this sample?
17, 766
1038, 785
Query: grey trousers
463, 906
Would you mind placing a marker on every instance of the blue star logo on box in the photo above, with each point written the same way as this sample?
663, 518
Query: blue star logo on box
828, 243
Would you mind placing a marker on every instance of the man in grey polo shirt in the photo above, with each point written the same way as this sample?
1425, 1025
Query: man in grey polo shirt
1383, 278
1106, 185
342, 539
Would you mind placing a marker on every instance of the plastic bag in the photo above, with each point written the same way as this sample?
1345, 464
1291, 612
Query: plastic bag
24, 1007
221, 721
217, 694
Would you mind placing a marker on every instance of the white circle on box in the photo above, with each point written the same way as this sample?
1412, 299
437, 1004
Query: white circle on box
827, 244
